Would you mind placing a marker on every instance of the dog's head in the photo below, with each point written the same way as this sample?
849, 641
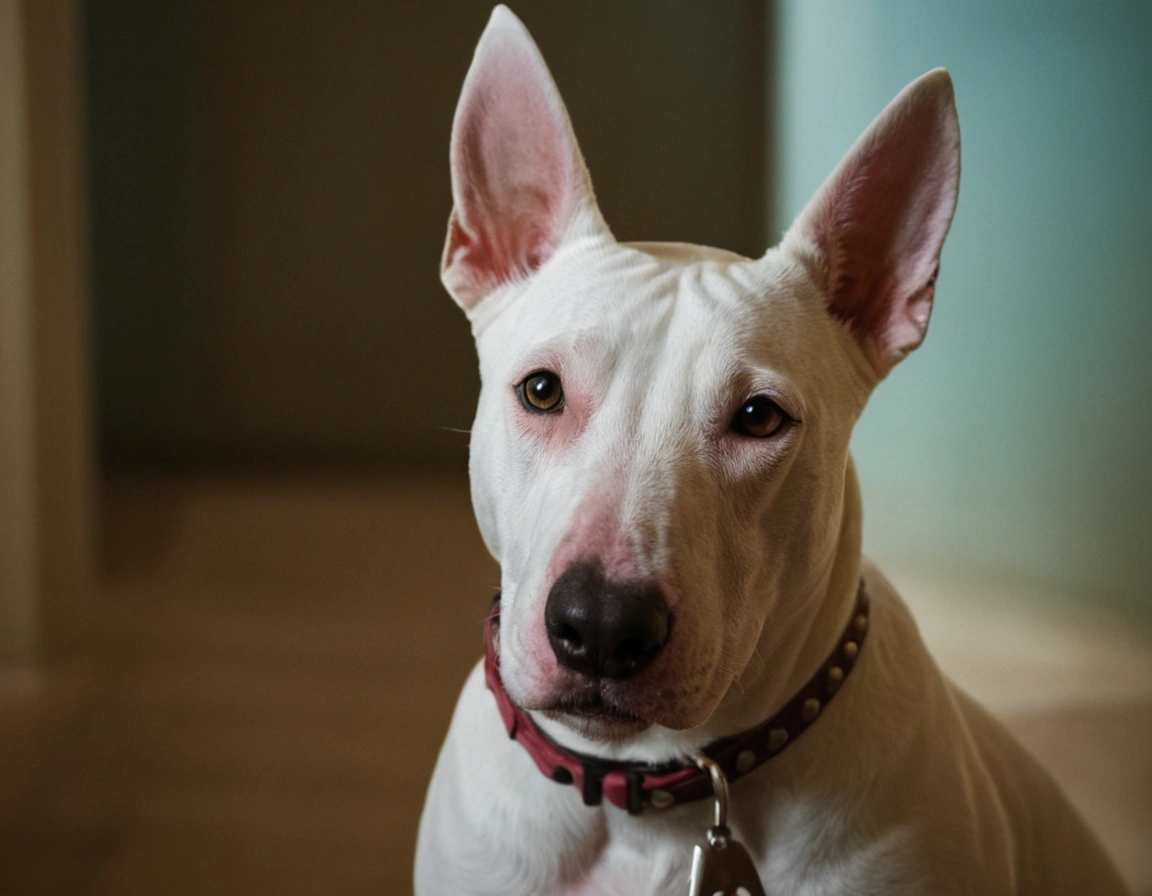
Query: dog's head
660, 455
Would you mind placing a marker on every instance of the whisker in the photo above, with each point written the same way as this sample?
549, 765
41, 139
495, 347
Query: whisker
759, 659
491, 614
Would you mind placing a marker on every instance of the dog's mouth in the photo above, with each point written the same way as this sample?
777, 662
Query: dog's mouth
594, 715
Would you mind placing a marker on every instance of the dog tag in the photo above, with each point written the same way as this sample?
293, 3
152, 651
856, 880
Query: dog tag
722, 867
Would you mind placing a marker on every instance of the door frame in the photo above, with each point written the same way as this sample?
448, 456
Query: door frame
46, 448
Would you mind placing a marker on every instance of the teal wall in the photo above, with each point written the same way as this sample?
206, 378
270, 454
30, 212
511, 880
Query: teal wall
1017, 440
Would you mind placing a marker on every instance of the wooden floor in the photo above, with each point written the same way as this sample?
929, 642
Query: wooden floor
279, 668
276, 664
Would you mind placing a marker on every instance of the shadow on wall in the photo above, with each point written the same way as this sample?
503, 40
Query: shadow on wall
270, 197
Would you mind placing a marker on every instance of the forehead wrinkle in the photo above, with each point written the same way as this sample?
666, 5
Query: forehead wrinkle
662, 333
677, 377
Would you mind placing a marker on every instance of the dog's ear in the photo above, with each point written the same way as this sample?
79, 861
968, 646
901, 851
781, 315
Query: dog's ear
874, 231
519, 184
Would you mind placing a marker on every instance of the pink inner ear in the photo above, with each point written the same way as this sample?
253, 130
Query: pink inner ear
882, 218
516, 171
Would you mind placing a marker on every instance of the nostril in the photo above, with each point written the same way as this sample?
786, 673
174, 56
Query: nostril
639, 637
631, 649
568, 633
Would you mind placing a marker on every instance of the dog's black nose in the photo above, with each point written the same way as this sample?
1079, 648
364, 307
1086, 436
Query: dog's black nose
604, 628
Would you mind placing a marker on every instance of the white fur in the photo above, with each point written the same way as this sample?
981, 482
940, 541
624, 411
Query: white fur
903, 785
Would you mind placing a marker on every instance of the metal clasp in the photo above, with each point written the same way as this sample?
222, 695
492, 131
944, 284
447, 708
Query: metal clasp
719, 787
721, 865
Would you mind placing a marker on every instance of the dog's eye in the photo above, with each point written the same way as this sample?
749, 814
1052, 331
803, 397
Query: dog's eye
541, 393
760, 417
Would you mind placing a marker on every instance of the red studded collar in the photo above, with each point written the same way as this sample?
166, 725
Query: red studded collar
637, 786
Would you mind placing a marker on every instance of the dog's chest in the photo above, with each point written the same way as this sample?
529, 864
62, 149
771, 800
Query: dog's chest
639, 861
621, 866
642, 854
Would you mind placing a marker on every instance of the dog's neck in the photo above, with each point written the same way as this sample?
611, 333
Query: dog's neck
797, 642
786, 657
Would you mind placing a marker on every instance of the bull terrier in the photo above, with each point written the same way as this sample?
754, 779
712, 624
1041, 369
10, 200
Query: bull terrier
686, 626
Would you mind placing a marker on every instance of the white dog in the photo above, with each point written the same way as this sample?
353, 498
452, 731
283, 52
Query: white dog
660, 465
